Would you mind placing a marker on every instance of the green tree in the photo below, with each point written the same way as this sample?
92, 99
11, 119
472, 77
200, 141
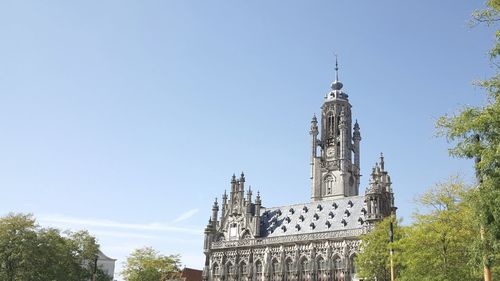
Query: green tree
147, 264
476, 134
437, 246
373, 263
31, 253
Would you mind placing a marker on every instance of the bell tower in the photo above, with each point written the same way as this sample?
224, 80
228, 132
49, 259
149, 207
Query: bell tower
334, 174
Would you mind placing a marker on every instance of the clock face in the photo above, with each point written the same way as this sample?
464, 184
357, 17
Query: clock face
330, 151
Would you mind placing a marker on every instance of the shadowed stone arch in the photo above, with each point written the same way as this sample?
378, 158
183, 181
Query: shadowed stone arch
245, 234
338, 267
303, 269
321, 268
275, 269
220, 237
258, 270
288, 268
229, 270
215, 270
329, 183
352, 264
243, 270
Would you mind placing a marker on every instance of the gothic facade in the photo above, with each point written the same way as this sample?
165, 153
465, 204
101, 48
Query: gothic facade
316, 240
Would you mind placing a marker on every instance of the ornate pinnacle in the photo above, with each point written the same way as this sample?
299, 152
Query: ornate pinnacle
382, 161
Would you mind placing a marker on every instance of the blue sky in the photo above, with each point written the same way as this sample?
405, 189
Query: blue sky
127, 118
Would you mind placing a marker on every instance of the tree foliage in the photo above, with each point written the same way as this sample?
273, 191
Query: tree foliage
373, 263
475, 132
438, 245
31, 253
147, 264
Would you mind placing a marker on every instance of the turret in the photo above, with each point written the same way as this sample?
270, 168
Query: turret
258, 205
379, 196
248, 201
209, 230
356, 137
233, 184
241, 196
215, 211
224, 205
314, 137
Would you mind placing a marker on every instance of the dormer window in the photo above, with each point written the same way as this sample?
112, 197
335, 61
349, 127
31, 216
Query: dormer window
331, 215
301, 218
360, 220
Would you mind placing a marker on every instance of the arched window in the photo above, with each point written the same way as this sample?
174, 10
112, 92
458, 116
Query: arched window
288, 269
322, 269
230, 270
352, 265
329, 183
215, 270
337, 268
242, 270
330, 122
258, 270
275, 270
303, 269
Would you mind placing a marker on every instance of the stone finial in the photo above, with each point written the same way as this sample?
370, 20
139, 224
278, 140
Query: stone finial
382, 161
356, 125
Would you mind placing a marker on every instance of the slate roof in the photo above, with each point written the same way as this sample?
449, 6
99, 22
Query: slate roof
314, 217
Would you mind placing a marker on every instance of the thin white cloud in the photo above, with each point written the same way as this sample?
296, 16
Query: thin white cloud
65, 221
186, 215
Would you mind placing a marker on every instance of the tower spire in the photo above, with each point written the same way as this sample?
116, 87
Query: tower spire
336, 68
336, 85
